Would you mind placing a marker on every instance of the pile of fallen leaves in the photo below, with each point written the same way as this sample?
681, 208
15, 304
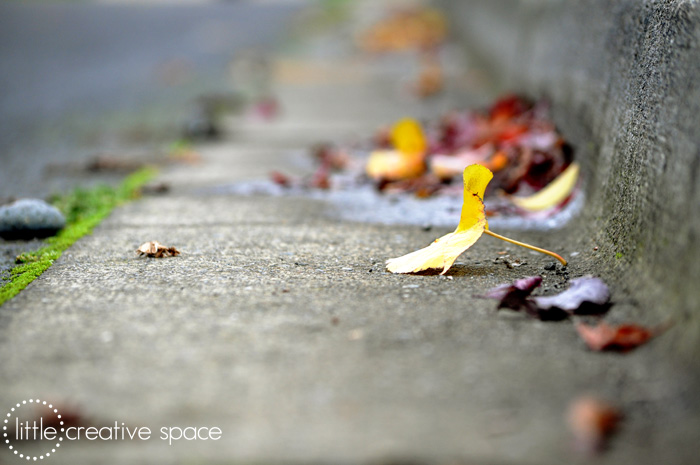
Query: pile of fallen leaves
515, 139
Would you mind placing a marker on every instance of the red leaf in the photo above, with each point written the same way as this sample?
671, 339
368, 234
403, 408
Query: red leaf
280, 179
508, 107
620, 338
321, 178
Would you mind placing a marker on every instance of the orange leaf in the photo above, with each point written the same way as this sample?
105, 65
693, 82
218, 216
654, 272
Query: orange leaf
498, 161
621, 338
392, 165
592, 421
407, 160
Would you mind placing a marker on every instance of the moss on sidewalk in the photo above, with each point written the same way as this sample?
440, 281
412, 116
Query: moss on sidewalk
84, 209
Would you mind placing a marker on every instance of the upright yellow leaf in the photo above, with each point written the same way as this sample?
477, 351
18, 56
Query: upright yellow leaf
476, 178
442, 253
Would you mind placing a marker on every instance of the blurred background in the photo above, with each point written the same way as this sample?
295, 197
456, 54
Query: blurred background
80, 79
87, 84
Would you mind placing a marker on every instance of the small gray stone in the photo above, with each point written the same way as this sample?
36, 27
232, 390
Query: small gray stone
29, 218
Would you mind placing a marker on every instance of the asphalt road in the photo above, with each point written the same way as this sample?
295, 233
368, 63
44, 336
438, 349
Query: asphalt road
73, 75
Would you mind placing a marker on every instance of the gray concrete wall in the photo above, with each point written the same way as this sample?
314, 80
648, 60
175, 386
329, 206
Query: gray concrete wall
624, 80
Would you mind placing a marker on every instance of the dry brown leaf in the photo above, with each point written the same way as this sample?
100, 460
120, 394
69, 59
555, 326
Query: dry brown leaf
156, 188
621, 338
185, 155
592, 421
280, 179
155, 249
44, 417
431, 80
114, 163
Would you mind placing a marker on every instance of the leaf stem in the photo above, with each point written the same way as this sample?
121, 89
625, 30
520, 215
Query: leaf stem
527, 246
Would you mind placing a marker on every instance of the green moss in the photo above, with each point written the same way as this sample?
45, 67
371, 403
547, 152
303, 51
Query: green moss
84, 209
619, 255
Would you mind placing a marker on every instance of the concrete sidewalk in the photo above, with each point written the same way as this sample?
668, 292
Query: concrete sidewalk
280, 326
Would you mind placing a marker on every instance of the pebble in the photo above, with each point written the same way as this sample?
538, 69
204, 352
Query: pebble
29, 218
550, 266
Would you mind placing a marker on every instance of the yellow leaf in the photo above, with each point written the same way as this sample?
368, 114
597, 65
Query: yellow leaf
393, 165
442, 253
407, 137
553, 194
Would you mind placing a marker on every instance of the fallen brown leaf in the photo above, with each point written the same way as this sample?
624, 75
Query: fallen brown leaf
620, 338
430, 79
155, 249
113, 163
321, 178
70, 416
328, 155
423, 186
185, 155
280, 179
155, 189
64, 416
592, 421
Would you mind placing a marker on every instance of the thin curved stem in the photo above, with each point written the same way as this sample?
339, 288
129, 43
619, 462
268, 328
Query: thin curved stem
527, 246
